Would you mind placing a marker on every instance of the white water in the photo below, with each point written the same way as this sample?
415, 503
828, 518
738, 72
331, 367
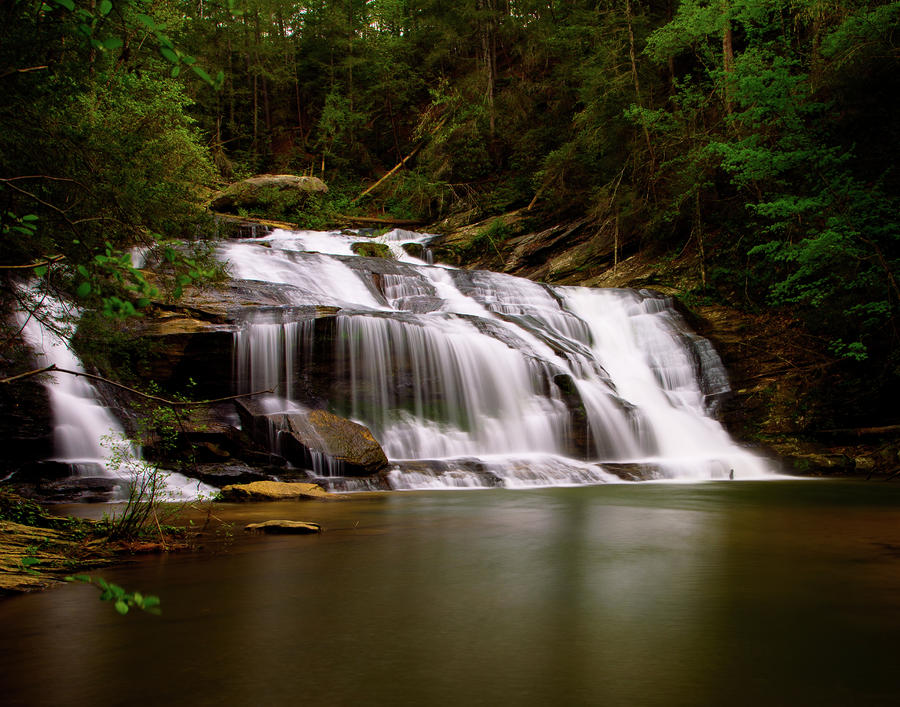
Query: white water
86, 434
445, 364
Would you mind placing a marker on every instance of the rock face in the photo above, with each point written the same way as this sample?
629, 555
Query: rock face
265, 190
284, 527
274, 491
315, 439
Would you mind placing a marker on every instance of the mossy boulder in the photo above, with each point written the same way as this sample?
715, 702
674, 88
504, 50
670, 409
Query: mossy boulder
371, 249
272, 193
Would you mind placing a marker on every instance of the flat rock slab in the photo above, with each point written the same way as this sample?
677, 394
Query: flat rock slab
275, 491
284, 527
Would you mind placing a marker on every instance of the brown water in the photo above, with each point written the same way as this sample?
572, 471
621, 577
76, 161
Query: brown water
732, 593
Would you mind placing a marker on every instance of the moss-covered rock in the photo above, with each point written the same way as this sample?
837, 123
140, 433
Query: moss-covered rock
371, 249
268, 191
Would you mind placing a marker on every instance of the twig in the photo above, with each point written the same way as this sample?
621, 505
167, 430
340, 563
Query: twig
32, 266
165, 401
35, 372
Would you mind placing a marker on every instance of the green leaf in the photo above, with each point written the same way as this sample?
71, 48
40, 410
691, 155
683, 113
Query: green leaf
169, 54
68, 4
40, 271
175, 71
201, 73
30, 561
145, 20
29, 217
83, 271
84, 289
122, 607
142, 302
112, 43
105, 7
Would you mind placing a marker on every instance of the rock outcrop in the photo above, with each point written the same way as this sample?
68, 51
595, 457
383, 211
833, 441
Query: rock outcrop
275, 491
284, 527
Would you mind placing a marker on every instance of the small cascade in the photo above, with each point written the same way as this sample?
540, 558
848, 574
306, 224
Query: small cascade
87, 436
478, 379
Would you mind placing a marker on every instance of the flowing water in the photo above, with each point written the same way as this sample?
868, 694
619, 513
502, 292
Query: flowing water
717, 593
538, 385
86, 435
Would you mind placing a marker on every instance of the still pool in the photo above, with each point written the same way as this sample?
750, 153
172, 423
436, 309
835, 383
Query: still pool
727, 593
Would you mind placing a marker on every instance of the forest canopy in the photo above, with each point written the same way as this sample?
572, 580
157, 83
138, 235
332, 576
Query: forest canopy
763, 133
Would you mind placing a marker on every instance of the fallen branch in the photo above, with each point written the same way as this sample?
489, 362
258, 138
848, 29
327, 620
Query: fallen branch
32, 266
386, 176
165, 401
403, 161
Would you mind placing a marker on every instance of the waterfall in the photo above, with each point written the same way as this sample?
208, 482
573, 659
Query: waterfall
474, 378
86, 435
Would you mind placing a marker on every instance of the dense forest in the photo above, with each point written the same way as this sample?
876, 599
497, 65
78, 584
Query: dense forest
762, 135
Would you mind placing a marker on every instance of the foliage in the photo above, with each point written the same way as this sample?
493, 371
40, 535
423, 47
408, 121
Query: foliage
121, 600
758, 136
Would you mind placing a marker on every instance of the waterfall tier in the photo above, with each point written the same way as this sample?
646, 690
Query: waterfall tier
495, 380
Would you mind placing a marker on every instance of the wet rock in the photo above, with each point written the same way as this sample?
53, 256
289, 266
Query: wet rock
26, 426
76, 489
284, 527
634, 471
314, 439
261, 190
579, 438
228, 474
274, 491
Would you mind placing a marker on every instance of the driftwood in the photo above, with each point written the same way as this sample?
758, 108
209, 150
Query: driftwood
165, 401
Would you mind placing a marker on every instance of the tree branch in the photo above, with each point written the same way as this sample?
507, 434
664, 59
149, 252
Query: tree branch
31, 266
164, 401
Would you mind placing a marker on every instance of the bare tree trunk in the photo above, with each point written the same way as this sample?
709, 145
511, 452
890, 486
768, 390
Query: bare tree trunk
727, 57
637, 88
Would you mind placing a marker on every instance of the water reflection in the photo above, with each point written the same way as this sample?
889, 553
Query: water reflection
649, 595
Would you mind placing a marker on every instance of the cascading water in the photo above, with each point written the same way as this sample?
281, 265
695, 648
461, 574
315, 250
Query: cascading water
87, 436
472, 376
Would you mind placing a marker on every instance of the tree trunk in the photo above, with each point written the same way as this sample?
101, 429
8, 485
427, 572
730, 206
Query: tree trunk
727, 57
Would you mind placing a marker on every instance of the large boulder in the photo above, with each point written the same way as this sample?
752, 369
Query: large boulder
328, 444
268, 192
274, 491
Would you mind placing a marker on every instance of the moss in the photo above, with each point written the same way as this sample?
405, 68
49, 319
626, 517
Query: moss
371, 249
